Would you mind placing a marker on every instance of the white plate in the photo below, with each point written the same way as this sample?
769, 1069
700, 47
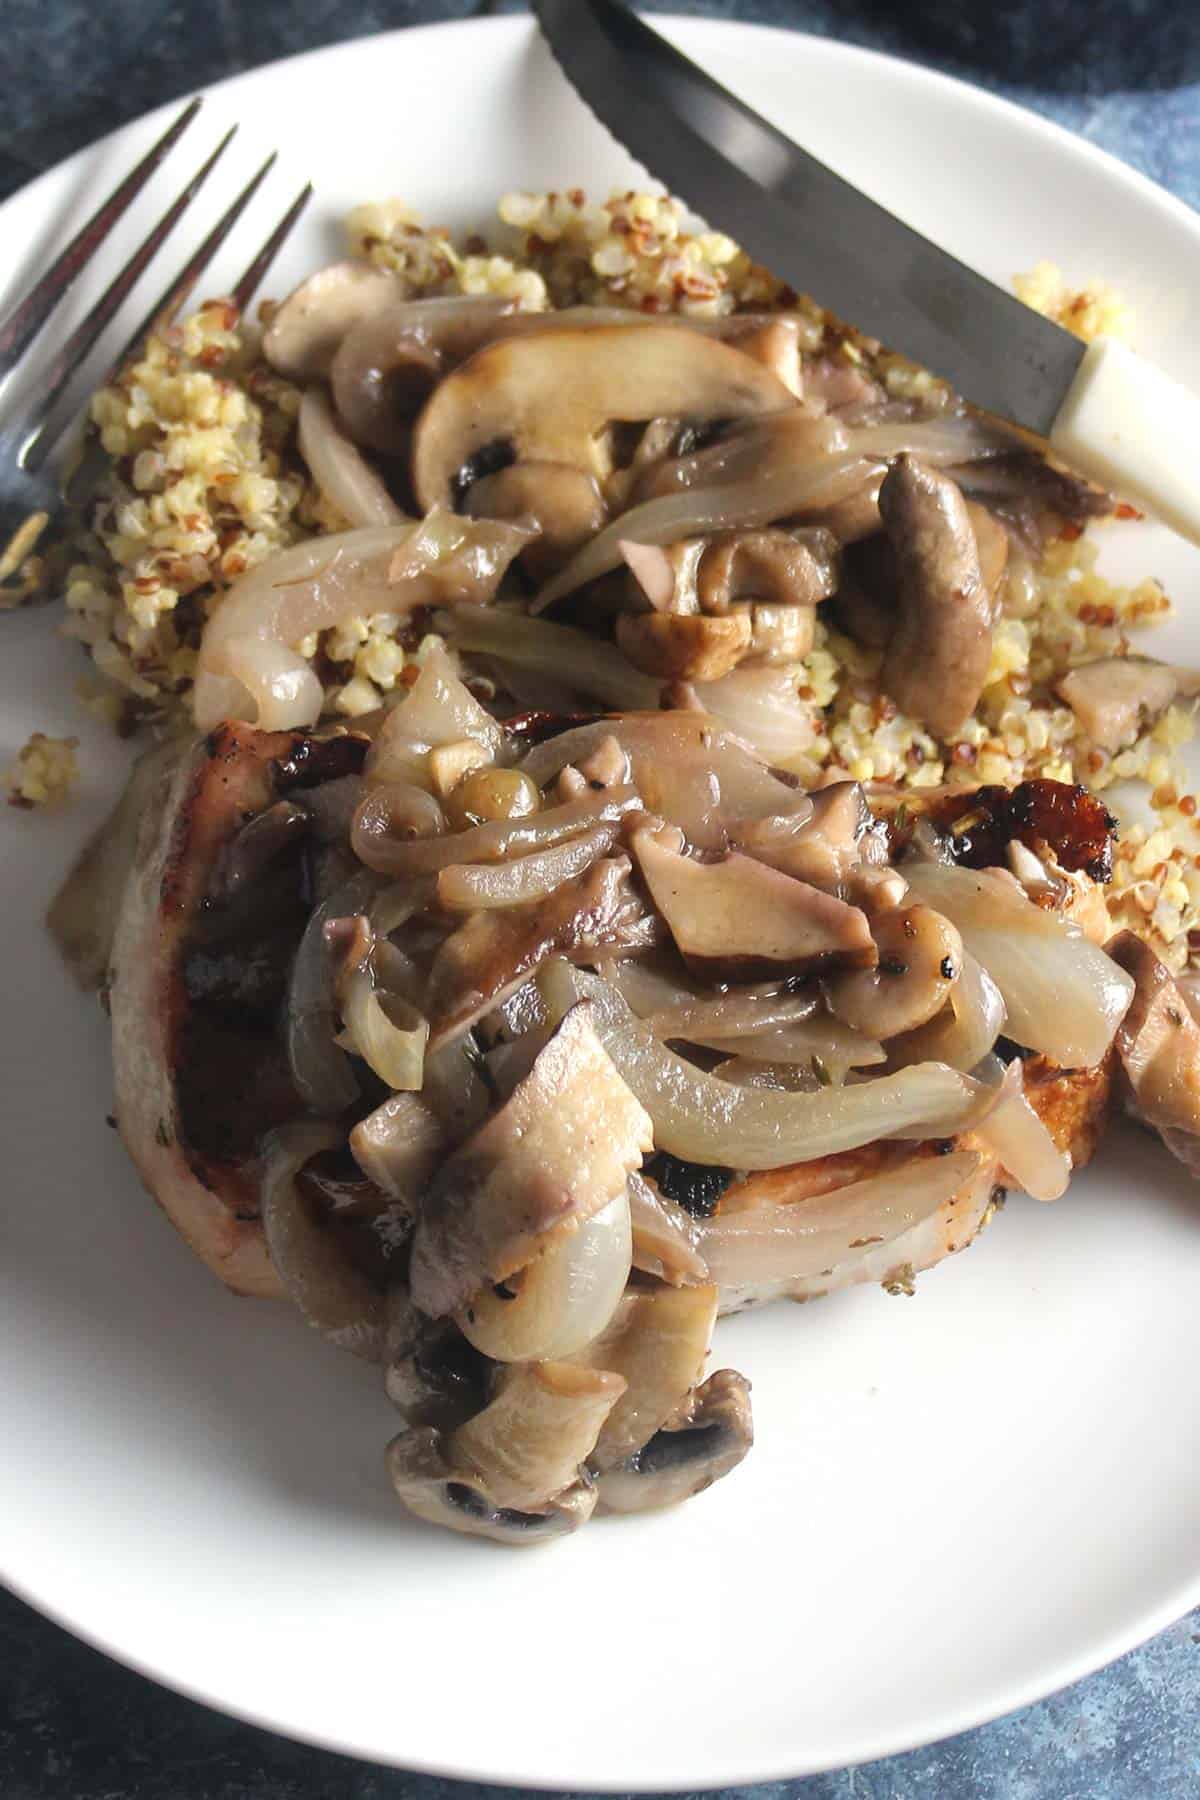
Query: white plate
956, 1503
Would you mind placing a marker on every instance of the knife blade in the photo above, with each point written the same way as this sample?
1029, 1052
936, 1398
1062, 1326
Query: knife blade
1115, 416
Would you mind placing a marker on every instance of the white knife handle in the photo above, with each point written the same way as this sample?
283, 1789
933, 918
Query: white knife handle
1135, 430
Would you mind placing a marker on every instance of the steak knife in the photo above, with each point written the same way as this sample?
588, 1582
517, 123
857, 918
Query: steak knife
1105, 410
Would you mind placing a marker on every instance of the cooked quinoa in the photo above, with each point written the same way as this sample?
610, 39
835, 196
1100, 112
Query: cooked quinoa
44, 772
1096, 310
206, 481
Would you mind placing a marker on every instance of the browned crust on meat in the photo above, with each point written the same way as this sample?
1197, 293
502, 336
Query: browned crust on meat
809, 1180
227, 777
1073, 1104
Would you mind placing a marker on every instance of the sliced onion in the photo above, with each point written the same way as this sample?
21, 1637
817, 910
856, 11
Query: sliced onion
529, 1444
470, 887
657, 1341
455, 1089
822, 1043
763, 706
510, 1062
248, 646
781, 1244
663, 1236
382, 1027
794, 487
438, 709
1022, 1143
647, 990
585, 663
339, 468
499, 839
704, 1119
964, 1031
562, 1300
320, 1070
728, 1015
390, 815
774, 1028
686, 767
789, 1078
952, 438
1065, 997
334, 1296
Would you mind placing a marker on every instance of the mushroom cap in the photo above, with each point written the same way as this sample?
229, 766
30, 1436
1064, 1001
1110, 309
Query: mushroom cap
444, 1496
737, 918
550, 394
713, 1434
1111, 697
685, 646
308, 327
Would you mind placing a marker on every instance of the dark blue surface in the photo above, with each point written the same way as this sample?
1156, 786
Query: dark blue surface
1126, 75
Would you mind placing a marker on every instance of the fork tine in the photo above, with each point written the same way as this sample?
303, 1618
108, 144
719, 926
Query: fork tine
81, 480
36, 448
21, 325
169, 303
245, 290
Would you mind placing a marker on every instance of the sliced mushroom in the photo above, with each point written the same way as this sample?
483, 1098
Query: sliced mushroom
664, 574
564, 503
387, 363
555, 1154
436, 1491
398, 1146
431, 1375
992, 543
685, 648
781, 635
920, 959
867, 596
663, 1243
737, 918
657, 1340
1158, 1041
1118, 696
529, 1444
334, 1296
788, 568
822, 847
776, 344
937, 656
709, 1437
307, 328
493, 952
549, 396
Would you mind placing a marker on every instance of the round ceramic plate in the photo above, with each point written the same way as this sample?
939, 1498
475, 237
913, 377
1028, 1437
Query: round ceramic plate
957, 1502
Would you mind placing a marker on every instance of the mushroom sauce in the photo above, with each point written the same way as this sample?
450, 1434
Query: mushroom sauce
571, 992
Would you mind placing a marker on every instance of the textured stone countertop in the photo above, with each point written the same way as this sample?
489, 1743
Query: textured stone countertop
1126, 75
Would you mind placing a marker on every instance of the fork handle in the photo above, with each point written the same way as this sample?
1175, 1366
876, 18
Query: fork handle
1136, 430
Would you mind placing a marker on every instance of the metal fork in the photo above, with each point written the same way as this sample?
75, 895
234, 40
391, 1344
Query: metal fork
30, 497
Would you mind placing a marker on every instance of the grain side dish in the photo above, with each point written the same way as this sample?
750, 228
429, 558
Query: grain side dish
634, 826
207, 481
